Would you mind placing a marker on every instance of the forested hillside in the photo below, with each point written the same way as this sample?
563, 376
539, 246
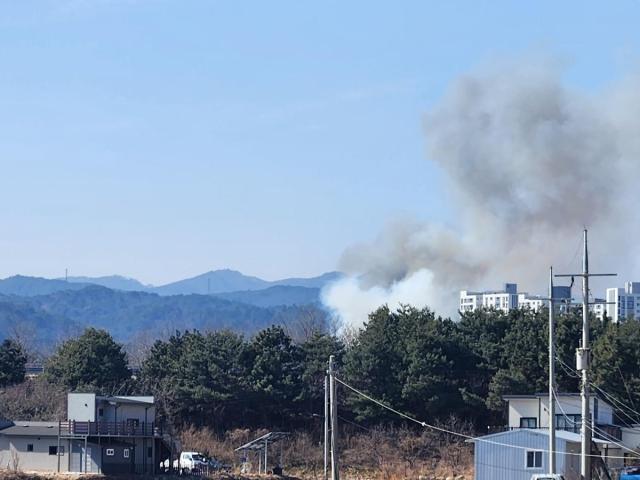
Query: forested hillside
46, 319
426, 366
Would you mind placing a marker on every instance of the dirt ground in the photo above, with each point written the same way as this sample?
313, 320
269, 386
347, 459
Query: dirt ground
347, 475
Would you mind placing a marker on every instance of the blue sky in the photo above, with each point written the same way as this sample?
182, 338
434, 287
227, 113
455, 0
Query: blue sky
160, 139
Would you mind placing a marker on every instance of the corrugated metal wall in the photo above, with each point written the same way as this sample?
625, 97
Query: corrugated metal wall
496, 462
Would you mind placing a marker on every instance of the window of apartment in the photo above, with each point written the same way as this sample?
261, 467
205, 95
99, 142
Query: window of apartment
126, 453
528, 422
149, 452
110, 452
101, 412
533, 459
53, 450
570, 423
29, 447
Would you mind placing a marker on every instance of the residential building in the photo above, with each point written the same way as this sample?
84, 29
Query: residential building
518, 454
532, 411
521, 449
504, 300
102, 434
623, 303
509, 299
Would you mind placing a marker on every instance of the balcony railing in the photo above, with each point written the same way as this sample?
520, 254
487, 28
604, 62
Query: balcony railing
114, 429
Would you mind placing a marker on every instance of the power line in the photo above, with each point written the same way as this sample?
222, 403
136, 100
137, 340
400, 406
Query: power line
621, 405
459, 434
611, 439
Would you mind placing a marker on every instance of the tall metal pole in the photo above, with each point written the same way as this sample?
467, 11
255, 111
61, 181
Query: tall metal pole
326, 427
583, 360
334, 421
585, 458
552, 403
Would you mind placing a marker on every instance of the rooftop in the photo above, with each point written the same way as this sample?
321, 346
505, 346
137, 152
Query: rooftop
35, 429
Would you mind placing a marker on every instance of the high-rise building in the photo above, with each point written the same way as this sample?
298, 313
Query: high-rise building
623, 303
509, 299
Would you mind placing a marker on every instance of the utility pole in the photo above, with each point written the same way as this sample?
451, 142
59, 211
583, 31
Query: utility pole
552, 403
583, 360
326, 427
334, 421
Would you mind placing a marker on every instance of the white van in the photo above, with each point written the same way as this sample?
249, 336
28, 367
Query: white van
546, 476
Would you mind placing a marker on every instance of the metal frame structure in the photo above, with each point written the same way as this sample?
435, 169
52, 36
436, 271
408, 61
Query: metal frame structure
261, 446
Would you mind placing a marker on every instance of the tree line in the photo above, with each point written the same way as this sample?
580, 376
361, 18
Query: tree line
421, 364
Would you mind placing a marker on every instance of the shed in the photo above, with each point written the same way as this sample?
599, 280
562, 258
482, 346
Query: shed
518, 454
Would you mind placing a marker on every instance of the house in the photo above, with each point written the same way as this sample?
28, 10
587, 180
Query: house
522, 448
532, 411
102, 434
518, 454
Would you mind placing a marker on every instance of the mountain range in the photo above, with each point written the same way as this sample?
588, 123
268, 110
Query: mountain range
48, 310
215, 281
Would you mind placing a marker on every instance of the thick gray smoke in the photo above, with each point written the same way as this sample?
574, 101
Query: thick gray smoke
529, 162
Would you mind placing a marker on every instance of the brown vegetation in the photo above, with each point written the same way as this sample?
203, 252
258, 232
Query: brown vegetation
34, 399
381, 453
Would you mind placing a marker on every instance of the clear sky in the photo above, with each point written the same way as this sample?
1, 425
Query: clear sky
160, 139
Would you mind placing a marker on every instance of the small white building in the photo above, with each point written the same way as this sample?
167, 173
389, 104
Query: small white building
624, 302
518, 454
521, 450
102, 434
532, 411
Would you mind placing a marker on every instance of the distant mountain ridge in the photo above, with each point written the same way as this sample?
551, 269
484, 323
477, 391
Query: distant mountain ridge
213, 282
47, 319
115, 282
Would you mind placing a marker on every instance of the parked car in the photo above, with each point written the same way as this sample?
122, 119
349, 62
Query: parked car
630, 473
546, 476
189, 462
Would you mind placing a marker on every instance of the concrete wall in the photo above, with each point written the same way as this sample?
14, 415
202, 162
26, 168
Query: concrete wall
39, 459
523, 407
498, 462
81, 407
125, 412
631, 437
539, 408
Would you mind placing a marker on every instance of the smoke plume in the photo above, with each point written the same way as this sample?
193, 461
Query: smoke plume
529, 163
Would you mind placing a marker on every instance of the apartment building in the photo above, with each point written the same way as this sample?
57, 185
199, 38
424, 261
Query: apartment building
623, 303
509, 299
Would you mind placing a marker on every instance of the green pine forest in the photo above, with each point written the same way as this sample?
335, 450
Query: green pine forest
429, 367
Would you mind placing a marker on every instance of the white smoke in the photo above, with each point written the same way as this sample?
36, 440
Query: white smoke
530, 162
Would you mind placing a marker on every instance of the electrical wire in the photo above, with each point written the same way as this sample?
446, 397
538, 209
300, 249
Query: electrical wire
621, 405
593, 429
459, 434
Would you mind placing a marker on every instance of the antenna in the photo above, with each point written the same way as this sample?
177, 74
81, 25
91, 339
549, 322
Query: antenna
583, 358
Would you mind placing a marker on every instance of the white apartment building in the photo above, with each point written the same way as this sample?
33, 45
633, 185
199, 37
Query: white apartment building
504, 300
508, 299
623, 302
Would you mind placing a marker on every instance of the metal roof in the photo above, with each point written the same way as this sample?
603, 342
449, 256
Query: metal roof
562, 434
546, 394
31, 429
139, 400
258, 443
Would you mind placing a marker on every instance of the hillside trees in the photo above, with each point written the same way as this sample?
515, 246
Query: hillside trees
274, 375
616, 364
92, 362
411, 360
13, 359
197, 378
